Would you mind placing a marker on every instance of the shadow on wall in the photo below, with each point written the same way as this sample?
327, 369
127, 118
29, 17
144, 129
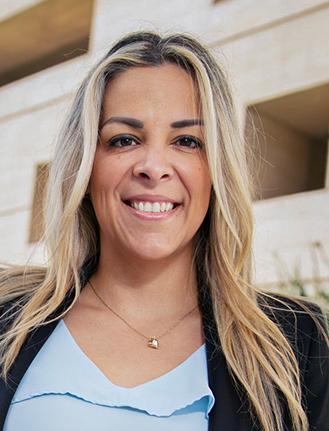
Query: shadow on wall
44, 35
289, 136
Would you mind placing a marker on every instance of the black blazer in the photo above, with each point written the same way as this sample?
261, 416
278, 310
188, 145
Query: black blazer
230, 412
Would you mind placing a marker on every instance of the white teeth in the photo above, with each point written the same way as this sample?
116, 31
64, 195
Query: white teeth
156, 207
152, 207
169, 206
148, 207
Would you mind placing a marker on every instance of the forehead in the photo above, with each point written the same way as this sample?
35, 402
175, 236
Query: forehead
167, 89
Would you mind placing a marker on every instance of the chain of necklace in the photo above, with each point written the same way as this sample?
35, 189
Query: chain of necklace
152, 341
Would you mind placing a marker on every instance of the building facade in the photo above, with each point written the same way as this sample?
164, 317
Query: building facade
277, 54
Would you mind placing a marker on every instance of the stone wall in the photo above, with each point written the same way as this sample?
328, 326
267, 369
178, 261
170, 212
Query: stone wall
270, 48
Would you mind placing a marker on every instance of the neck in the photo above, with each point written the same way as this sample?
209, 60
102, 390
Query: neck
147, 289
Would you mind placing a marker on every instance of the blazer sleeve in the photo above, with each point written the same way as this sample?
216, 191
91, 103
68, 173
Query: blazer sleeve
300, 322
316, 379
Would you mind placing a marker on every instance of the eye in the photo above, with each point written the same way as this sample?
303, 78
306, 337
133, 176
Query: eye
122, 141
189, 142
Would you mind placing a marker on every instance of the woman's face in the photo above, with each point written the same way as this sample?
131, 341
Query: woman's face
150, 184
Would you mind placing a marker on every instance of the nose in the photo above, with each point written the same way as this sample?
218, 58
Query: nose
153, 166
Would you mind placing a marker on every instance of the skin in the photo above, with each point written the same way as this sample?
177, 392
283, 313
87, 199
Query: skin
144, 272
144, 269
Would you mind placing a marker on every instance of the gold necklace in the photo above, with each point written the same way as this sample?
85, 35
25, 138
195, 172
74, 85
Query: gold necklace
152, 341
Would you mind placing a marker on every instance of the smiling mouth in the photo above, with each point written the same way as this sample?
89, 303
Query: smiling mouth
152, 207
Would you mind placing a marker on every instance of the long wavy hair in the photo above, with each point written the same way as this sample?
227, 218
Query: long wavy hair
258, 355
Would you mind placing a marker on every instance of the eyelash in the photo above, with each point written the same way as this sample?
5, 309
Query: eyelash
113, 141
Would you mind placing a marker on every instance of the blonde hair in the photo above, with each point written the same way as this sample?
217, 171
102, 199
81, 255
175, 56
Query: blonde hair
258, 354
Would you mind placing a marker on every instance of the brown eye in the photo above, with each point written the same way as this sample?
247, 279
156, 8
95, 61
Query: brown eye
122, 141
189, 142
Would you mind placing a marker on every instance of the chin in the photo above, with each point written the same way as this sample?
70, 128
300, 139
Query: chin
154, 252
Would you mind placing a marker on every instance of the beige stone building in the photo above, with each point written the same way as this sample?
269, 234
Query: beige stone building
278, 56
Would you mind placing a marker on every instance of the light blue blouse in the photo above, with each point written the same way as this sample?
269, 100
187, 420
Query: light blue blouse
64, 390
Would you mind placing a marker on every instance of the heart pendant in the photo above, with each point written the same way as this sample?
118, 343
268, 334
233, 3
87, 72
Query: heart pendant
153, 343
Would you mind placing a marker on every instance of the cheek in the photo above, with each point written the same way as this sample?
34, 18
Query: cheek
105, 175
204, 200
199, 186
201, 181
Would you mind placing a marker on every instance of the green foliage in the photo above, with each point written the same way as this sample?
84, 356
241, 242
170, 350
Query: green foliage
294, 283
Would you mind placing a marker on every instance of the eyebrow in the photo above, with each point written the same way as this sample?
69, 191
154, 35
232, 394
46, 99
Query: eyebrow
137, 124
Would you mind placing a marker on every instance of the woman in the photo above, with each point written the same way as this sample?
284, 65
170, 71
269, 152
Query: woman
145, 315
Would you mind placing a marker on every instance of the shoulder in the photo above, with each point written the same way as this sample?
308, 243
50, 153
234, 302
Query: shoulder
306, 328
292, 313
17, 285
303, 324
8, 312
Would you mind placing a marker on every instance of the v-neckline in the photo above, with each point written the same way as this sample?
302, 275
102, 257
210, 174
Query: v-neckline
155, 380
